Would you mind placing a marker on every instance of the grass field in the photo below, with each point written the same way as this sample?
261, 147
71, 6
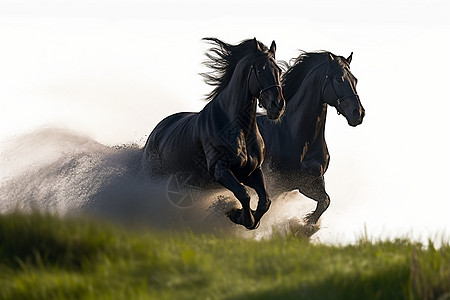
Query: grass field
45, 257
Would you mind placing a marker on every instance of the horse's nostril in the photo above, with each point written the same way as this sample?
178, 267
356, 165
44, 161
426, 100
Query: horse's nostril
356, 112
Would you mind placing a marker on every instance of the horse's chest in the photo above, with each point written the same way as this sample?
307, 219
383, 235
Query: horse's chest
247, 150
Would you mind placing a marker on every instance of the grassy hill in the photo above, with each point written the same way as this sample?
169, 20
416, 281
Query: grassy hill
45, 257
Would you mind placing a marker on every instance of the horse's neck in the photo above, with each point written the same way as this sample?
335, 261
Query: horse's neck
238, 103
306, 113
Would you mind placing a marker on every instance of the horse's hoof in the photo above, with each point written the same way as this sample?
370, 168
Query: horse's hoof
258, 214
310, 229
255, 225
235, 216
262, 212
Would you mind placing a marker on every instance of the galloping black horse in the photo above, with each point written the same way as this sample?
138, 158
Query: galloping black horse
222, 142
297, 154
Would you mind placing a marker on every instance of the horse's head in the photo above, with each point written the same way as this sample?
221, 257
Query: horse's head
339, 90
264, 81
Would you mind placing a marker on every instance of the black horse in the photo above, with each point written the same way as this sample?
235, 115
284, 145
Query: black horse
222, 142
297, 155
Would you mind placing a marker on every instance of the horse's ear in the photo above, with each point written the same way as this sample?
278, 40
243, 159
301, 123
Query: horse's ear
257, 47
273, 48
349, 59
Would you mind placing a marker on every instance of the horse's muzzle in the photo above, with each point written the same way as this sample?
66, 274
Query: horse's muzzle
276, 108
274, 113
357, 117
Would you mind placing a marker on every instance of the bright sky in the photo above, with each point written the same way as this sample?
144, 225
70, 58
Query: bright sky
113, 69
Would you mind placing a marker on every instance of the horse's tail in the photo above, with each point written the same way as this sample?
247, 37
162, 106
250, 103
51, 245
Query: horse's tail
148, 158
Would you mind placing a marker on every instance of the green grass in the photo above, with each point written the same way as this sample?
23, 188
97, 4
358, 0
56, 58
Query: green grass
44, 257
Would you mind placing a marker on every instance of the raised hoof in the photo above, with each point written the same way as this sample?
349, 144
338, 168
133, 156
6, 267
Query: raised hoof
258, 214
256, 224
236, 216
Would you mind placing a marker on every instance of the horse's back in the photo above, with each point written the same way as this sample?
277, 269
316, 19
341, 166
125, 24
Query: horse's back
169, 127
172, 143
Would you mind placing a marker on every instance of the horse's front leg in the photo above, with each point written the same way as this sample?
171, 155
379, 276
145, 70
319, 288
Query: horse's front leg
225, 177
257, 182
315, 189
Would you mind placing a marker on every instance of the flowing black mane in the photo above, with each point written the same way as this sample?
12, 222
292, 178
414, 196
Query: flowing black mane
298, 69
223, 58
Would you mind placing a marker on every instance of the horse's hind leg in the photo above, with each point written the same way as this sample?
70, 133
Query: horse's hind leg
315, 189
226, 178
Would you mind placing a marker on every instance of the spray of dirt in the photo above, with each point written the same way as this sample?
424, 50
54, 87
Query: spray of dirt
66, 173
